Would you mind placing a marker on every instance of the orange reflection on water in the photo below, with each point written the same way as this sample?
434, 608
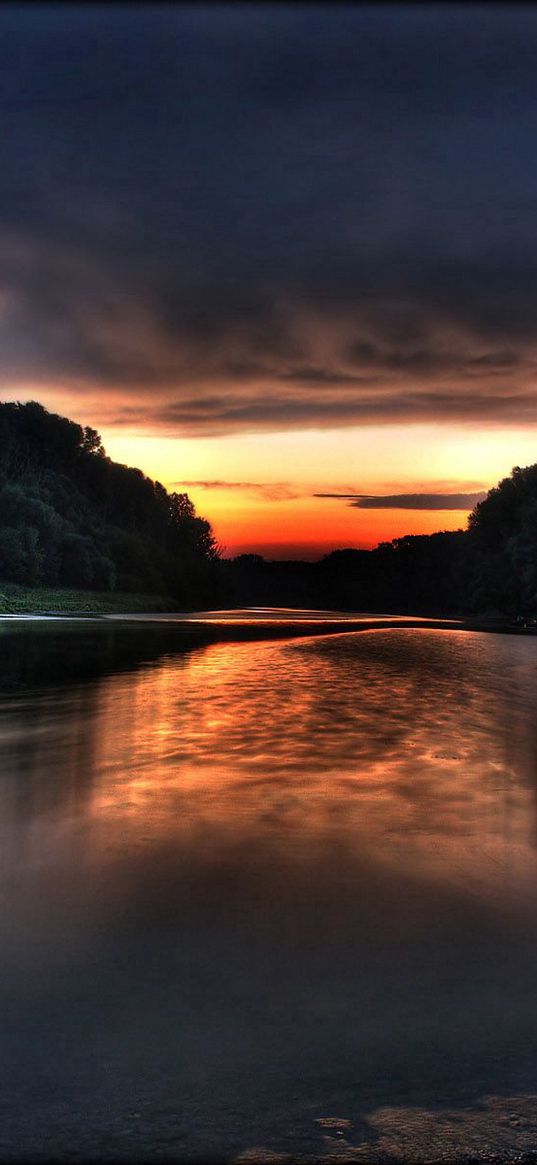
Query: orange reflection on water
417, 747
263, 882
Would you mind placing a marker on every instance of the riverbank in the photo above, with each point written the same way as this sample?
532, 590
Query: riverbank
231, 624
244, 623
16, 599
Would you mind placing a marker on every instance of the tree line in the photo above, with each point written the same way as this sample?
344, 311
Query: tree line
489, 569
70, 516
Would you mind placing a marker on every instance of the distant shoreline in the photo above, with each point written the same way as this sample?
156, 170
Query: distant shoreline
20, 605
244, 625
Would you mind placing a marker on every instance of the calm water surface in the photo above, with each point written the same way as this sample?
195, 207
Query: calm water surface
273, 896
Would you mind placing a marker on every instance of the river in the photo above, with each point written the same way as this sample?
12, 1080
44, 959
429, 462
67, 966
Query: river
267, 899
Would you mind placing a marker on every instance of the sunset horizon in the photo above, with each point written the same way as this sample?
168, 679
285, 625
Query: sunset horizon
306, 517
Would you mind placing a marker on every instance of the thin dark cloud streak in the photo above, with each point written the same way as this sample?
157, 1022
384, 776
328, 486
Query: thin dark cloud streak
413, 501
269, 490
285, 491
217, 220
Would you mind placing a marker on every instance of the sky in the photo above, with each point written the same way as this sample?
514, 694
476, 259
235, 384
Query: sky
282, 257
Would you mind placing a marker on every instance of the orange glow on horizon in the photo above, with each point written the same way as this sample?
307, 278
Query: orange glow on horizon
258, 488
310, 530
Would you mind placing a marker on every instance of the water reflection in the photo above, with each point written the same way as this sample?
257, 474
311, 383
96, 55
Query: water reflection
248, 884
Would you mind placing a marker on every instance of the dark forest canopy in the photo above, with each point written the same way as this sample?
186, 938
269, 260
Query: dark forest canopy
489, 569
70, 516
417, 573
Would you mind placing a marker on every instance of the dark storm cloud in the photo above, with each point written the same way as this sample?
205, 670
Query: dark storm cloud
417, 501
217, 218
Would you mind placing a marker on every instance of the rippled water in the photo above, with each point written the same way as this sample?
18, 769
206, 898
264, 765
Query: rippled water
273, 895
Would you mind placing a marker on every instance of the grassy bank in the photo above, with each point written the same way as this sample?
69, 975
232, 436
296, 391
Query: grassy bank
20, 600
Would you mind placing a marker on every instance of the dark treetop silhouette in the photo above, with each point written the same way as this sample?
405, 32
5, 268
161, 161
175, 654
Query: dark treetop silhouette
70, 516
489, 569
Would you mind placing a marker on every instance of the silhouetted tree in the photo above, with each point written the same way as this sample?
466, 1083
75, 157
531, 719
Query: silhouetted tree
70, 515
503, 545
